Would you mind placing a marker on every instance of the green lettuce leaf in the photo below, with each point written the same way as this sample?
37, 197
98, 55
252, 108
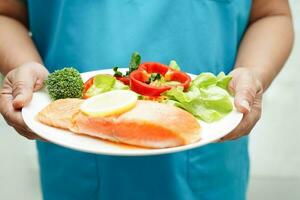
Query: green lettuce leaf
197, 109
223, 80
207, 97
204, 80
104, 83
178, 94
216, 98
120, 86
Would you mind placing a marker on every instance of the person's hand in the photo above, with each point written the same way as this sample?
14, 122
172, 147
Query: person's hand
248, 91
18, 86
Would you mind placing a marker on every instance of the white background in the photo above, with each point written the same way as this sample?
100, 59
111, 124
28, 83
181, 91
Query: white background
274, 145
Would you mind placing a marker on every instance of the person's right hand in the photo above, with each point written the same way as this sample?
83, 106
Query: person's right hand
18, 87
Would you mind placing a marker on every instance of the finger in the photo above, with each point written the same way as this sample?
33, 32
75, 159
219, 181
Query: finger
13, 117
42, 74
38, 84
30, 132
22, 88
239, 131
26, 82
25, 133
245, 92
248, 122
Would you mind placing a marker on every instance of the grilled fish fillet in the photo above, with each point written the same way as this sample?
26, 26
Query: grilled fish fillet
148, 124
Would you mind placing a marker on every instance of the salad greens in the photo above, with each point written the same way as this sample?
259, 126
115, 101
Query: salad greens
223, 80
104, 83
117, 72
120, 86
134, 62
207, 97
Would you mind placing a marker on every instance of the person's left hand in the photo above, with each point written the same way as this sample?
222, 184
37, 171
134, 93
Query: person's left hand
248, 91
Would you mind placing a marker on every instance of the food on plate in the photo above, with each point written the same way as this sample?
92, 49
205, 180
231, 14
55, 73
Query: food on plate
135, 61
101, 83
60, 113
207, 97
150, 105
109, 103
64, 83
152, 79
148, 124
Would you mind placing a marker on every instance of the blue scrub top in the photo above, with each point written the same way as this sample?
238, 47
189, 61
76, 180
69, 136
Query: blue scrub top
202, 35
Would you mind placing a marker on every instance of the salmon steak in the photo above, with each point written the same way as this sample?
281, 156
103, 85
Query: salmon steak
149, 124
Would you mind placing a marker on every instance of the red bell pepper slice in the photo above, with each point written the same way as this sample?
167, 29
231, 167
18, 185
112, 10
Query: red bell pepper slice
179, 76
140, 77
123, 79
86, 87
155, 67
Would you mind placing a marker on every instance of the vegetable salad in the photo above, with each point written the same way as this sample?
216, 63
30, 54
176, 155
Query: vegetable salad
206, 97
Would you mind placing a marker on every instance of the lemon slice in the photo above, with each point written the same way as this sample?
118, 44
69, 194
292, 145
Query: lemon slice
109, 103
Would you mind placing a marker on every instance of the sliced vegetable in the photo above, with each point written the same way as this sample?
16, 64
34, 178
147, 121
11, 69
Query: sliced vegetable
143, 80
119, 85
64, 83
154, 67
183, 78
101, 83
119, 76
138, 83
123, 79
87, 85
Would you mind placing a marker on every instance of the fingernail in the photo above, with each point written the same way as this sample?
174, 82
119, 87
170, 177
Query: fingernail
245, 104
18, 102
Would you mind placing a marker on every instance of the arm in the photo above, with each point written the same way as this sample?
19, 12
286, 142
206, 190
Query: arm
16, 46
19, 62
262, 53
268, 40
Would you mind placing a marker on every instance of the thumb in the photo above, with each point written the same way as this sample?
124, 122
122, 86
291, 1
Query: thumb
22, 91
245, 92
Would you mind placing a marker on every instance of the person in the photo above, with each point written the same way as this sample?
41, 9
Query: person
250, 39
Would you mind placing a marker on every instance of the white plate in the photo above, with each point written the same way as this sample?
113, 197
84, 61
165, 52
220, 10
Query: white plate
209, 132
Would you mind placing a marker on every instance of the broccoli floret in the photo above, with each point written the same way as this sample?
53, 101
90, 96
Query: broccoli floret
64, 83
